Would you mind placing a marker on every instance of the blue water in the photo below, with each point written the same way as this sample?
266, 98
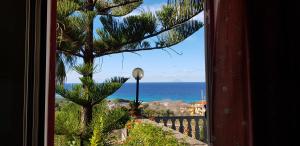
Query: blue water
181, 91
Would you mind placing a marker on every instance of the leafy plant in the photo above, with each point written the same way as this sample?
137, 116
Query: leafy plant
141, 134
135, 109
105, 122
67, 127
67, 123
87, 95
67, 119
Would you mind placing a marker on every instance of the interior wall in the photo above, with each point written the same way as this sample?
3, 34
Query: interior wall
267, 33
274, 43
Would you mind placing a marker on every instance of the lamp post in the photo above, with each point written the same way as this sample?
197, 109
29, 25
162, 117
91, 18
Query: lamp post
138, 74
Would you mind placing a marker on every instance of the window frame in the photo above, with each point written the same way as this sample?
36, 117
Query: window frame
212, 10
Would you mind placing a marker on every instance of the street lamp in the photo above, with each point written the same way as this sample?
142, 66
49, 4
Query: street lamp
138, 74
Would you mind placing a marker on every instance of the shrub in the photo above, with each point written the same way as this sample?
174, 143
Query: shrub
63, 140
141, 134
150, 113
67, 124
67, 119
104, 122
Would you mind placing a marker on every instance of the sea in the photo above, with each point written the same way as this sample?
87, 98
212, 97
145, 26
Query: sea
171, 91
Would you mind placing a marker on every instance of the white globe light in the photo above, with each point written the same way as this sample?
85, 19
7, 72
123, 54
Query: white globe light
138, 73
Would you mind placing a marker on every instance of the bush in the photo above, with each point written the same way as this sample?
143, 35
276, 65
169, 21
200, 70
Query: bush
67, 119
67, 124
150, 113
141, 134
104, 122
63, 140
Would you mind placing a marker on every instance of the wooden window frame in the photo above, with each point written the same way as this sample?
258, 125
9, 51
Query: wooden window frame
230, 117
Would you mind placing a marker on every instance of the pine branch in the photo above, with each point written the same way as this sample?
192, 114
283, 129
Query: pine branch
137, 50
166, 40
118, 11
126, 2
69, 52
98, 54
161, 31
73, 95
108, 88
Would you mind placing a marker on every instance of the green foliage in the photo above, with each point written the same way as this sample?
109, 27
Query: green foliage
63, 63
168, 113
63, 140
135, 109
145, 31
67, 123
104, 122
147, 134
118, 100
149, 113
102, 7
89, 92
67, 119
178, 11
89, 95
85, 69
106, 7
131, 28
98, 136
65, 8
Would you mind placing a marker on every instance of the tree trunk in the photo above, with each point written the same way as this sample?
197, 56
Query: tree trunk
87, 111
86, 118
88, 52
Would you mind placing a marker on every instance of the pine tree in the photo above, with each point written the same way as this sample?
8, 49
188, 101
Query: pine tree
88, 95
119, 33
146, 31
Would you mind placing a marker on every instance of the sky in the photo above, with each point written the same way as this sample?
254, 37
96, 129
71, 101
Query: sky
158, 65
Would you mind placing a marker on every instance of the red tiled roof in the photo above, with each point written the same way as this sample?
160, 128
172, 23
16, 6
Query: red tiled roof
201, 102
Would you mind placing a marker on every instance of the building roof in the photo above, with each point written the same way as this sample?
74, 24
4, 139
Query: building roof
203, 102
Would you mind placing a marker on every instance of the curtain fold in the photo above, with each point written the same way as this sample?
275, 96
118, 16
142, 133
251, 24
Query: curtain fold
228, 73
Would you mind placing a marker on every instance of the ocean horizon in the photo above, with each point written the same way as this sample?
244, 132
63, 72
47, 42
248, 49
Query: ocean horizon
160, 91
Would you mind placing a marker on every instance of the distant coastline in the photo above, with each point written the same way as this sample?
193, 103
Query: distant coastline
176, 108
187, 92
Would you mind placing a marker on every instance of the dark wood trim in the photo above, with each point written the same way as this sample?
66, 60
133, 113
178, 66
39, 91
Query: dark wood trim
208, 25
26, 74
34, 100
51, 82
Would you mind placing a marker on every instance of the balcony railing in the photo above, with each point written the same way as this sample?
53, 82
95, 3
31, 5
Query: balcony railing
193, 126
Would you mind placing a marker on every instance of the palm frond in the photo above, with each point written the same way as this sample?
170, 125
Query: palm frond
63, 63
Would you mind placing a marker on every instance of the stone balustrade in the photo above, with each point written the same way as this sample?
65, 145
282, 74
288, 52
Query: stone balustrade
193, 126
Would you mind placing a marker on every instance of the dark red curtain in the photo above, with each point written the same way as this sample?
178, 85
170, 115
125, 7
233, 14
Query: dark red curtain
228, 75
